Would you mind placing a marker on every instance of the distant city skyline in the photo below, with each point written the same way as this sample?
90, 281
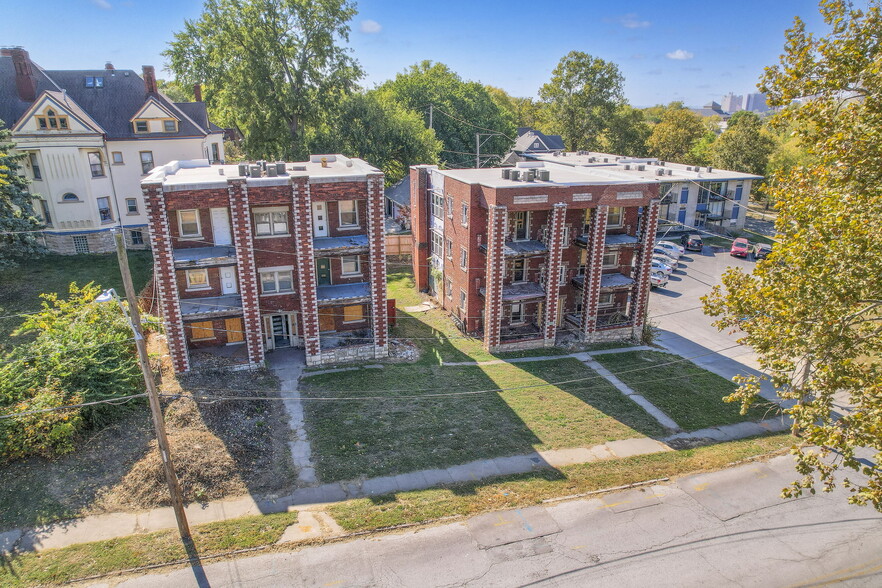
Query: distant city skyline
678, 53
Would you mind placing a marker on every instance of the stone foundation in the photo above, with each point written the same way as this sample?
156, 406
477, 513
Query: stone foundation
347, 354
100, 242
519, 345
602, 335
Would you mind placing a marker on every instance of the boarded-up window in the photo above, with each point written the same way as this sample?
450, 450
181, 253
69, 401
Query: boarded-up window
353, 314
202, 330
235, 332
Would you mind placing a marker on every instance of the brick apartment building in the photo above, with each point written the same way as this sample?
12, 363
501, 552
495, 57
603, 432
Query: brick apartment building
257, 257
520, 255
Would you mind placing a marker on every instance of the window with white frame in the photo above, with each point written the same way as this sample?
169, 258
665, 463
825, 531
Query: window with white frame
146, 161
188, 224
606, 299
104, 211
437, 205
462, 299
197, 279
450, 249
271, 222
464, 215
348, 213
449, 206
351, 265
610, 259
137, 237
117, 157
95, 164
562, 276
565, 242
437, 245
132, 205
463, 258
614, 217
274, 281
517, 313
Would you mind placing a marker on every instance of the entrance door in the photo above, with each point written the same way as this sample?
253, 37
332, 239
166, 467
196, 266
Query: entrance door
229, 284
220, 226
326, 319
281, 330
323, 271
681, 217
235, 332
320, 219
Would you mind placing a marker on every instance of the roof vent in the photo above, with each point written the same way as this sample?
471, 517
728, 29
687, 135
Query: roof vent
280, 167
688, 168
670, 172
544, 175
515, 175
506, 173
628, 166
606, 160
529, 175
710, 169
243, 169
220, 171
254, 171
641, 167
272, 171
661, 163
659, 172
298, 168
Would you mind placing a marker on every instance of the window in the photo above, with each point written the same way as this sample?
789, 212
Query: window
736, 210
586, 222
275, 281
95, 164
463, 258
35, 166
519, 270
517, 314
610, 259
462, 299
70, 197
117, 157
44, 207
170, 126
146, 162
271, 222
437, 205
684, 194
104, 211
51, 120
94, 82
81, 244
449, 206
448, 287
351, 265
614, 217
450, 249
137, 237
348, 213
132, 205
197, 279
353, 314
739, 190
215, 152
464, 219
437, 244
562, 276
141, 126
565, 242
201, 331
188, 223
606, 299
520, 222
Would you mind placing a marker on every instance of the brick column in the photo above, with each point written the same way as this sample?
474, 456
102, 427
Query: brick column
301, 211
164, 275
593, 271
419, 225
643, 267
555, 244
240, 219
497, 219
377, 264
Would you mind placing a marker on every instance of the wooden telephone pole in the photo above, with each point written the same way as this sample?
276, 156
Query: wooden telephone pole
171, 478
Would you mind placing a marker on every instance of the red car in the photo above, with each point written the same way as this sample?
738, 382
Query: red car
740, 247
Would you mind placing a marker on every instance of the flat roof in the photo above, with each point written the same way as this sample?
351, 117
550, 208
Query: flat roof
200, 174
559, 175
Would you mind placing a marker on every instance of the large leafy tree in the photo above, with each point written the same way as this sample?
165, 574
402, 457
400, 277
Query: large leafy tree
675, 134
380, 131
460, 110
626, 132
813, 309
269, 67
17, 217
581, 98
745, 146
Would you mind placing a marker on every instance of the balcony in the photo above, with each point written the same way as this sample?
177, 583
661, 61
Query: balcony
519, 292
343, 293
349, 245
519, 248
611, 241
217, 306
607, 282
204, 256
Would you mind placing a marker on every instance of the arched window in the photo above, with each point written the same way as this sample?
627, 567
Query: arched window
50, 120
70, 197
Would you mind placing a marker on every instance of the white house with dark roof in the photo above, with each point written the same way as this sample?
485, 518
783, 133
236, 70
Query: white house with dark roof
90, 137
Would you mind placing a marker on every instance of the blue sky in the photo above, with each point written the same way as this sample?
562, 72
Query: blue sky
676, 50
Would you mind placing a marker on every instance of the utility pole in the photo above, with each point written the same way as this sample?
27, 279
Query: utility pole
155, 409
477, 150
431, 108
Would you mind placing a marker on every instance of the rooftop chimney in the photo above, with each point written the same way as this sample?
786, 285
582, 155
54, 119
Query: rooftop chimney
149, 75
108, 66
197, 92
25, 82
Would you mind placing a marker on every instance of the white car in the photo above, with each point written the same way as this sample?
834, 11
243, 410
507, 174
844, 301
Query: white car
658, 280
663, 256
664, 268
675, 250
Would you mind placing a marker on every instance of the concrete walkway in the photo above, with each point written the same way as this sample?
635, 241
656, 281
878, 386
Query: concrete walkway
288, 366
581, 356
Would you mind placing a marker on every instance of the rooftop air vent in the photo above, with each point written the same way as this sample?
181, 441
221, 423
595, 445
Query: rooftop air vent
659, 172
506, 172
280, 167
254, 171
606, 160
661, 163
298, 168
544, 175
628, 166
243, 169
515, 175
670, 172
272, 171
641, 167
710, 169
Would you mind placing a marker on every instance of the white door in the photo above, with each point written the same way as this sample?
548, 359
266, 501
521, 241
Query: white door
220, 226
320, 219
229, 285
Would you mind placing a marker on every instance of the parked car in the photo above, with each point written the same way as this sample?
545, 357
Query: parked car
740, 247
675, 250
665, 255
658, 266
761, 250
666, 261
692, 242
658, 280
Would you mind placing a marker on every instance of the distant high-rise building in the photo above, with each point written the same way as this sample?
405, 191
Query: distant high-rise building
756, 102
732, 103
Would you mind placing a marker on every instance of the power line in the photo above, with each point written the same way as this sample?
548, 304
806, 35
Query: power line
115, 401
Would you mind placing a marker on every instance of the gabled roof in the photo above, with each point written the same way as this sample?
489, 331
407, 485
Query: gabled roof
152, 101
533, 141
11, 106
62, 102
400, 192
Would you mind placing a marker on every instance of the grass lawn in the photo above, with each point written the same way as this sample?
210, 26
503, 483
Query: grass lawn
87, 559
22, 286
690, 395
386, 434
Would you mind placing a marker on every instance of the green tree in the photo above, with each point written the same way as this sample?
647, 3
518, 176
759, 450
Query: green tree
811, 310
269, 68
175, 90
17, 216
582, 96
676, 133
626, 133
380, 131
700, 153
745, 146
460, 109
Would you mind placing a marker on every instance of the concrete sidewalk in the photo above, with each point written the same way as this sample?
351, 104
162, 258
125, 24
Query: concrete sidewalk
581, 356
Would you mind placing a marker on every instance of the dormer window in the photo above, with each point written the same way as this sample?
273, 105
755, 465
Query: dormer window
170, 126
141, 126
94, 82
51, 121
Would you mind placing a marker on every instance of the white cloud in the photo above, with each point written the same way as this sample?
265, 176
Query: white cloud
631, 21
102, 4
680, 55
370, 27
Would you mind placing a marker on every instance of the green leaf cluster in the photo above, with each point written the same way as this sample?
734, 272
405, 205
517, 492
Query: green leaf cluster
17, 215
